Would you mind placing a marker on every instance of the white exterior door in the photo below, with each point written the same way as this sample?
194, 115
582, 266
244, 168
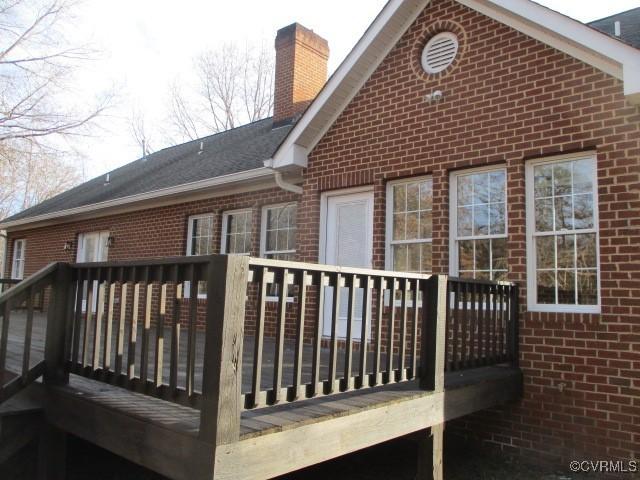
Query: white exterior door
92, 247
348, 242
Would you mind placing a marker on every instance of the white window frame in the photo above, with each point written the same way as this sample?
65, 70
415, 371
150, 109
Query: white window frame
14, 263
454, 270
263, 229
532, 304
225, 224
189, 249
389, 242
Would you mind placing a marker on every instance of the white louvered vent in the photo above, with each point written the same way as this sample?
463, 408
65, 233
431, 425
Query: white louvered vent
440, 52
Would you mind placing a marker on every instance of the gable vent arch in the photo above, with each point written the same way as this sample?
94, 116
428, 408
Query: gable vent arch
439, 52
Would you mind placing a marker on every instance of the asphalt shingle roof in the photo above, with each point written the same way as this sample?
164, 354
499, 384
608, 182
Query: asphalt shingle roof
629, 26
236, 150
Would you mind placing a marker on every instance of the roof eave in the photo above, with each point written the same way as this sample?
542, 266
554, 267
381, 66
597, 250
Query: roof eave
222, 184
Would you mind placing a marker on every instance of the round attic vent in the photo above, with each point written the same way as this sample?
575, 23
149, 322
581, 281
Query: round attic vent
440, 52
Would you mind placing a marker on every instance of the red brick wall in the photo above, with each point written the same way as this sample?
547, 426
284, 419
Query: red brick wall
509, 98
152, 233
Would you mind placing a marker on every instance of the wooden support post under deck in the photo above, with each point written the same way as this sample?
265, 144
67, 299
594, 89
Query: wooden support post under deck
430, 449
432, 361
222, 369
52, 453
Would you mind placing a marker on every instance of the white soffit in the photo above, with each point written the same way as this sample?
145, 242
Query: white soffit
550, 27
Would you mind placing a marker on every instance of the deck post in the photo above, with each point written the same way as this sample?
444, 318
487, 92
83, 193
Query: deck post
434, 330
514, 327
52, 453
222, 369
56, 336
430, 449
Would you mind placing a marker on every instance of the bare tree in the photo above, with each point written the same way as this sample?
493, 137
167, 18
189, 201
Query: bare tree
36, 66
141, 131
31, 175
234, 86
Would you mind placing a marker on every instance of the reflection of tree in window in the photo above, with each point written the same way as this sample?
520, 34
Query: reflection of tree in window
565, 237
412, 226
481, 229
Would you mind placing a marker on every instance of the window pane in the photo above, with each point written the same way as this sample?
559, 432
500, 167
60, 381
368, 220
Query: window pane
412, 226
465, 255
426, 224
400, 258
566, 287
465, 190
481, 188
544, 215
566, 251
497, 186
272, 219
562, 178
283, 217
271, 240
291, 239
587, 288
497, 219
399, 226
546, 287
399, 198
583, 211
542, 181
426, 266
483, 258
586, 250
582, 176
283, 240
426, 195
413, 257
480, 219
564, 213
499, 253
545, 252
293, 215
413, 196
465, 219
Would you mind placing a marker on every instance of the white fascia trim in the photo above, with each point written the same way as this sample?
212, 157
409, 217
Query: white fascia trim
290, 153
224, 180
569, 36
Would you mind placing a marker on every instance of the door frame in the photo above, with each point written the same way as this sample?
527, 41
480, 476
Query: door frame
324, 211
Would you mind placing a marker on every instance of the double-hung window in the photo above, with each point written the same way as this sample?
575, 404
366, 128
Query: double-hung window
17, 267
409, 225
278, 232
236, 232
200, 242
562, 235
478, 229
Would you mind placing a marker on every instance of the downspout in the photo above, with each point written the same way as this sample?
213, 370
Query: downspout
284, 185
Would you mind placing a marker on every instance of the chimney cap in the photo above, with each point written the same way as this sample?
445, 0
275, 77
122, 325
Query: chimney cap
296, 31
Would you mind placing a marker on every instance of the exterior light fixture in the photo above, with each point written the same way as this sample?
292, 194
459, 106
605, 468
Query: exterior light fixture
111, 241
68, 245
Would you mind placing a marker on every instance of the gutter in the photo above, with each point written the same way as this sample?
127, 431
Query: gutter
284, 185
255, 174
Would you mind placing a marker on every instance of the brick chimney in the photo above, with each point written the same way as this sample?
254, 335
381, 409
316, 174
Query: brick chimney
301, 70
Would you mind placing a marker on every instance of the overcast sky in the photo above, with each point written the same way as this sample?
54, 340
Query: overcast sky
148, 43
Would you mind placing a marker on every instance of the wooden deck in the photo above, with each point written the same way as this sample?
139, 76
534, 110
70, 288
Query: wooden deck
255, 394
164, 436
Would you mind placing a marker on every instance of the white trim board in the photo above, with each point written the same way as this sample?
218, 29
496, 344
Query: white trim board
550, 27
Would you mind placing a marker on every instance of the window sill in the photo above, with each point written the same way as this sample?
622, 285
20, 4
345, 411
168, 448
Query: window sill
594, 309
274, 299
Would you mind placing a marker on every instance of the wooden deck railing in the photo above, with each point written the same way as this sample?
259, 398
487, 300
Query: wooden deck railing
7, 283
482, 323
269, 332
27, 294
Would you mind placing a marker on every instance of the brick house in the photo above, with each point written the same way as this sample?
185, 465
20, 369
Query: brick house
494, 139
